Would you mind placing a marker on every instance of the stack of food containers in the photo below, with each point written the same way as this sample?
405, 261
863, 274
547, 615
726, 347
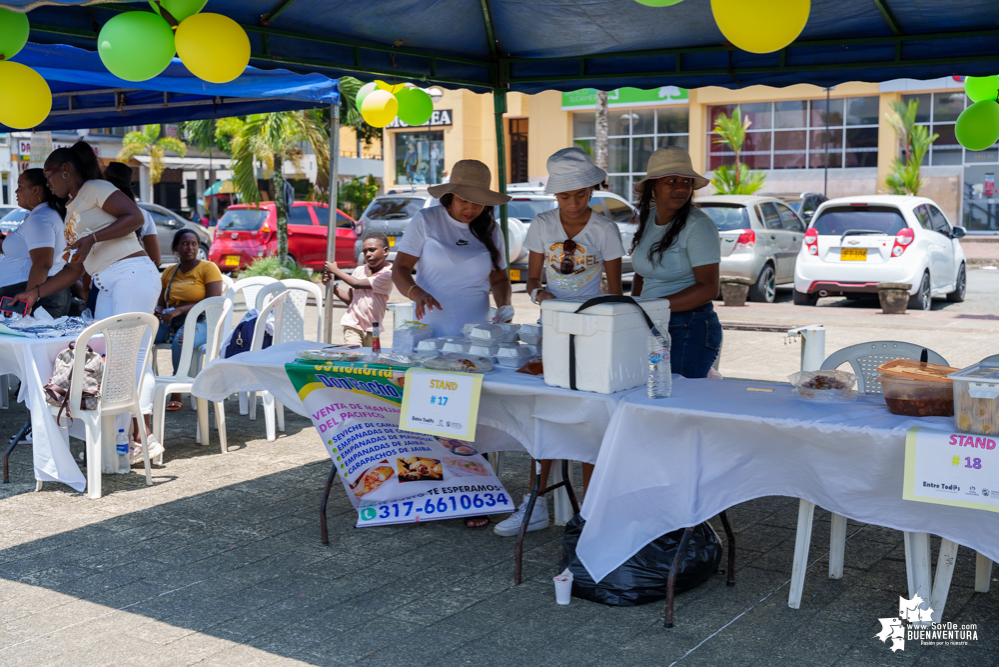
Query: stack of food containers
976, 390
917, 389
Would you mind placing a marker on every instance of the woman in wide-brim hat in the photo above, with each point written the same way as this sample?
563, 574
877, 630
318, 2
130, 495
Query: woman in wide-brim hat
458, 254
676, 253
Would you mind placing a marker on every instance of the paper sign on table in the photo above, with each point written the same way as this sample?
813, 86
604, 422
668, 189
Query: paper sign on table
951, 469
441, 403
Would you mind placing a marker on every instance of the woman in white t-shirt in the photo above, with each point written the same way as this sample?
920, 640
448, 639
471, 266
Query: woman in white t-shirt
33, 251
100, 229
458, 254
572, 246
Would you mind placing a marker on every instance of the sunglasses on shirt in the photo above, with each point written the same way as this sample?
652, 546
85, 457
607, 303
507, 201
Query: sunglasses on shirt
568, 260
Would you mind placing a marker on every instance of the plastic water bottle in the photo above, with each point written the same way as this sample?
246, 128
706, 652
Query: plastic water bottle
660, 378
121, 445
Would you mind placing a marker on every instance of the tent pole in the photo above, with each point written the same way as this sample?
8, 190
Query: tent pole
331, 232
499, 106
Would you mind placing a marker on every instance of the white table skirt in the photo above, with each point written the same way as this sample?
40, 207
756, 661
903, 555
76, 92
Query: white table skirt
673, 463
516, 411
30, 360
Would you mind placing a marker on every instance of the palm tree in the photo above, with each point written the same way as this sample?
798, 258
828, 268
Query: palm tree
272, 138
915, 140
148, 141
734, 179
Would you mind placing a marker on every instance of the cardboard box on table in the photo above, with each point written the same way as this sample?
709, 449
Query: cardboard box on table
611, 342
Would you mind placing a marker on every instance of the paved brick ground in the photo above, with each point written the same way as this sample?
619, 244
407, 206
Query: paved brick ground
219, 563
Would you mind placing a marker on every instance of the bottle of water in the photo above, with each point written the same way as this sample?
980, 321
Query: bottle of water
660, 379
121, 445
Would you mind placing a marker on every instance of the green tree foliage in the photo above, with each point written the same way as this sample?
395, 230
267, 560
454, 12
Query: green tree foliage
915, 141
354, 195
735, 179
148, 141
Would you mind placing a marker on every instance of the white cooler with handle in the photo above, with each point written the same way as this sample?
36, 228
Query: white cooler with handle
610, 341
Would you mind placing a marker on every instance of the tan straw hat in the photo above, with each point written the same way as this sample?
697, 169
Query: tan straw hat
671, 161
470, 180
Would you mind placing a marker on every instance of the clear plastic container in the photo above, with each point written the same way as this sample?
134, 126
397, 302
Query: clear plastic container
976, 399
917, 389
824, 385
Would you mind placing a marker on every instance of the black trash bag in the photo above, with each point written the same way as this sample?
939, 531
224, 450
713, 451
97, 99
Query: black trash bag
642, 578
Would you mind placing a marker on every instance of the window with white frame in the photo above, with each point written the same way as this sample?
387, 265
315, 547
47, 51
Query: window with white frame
632, 136
802, 134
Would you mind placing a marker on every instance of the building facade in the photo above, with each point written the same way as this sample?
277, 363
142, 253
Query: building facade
803, 137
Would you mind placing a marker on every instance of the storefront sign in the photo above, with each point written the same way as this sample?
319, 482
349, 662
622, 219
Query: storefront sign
389, 475
440, 118
419, 157
625, 97
952, 469
441, 403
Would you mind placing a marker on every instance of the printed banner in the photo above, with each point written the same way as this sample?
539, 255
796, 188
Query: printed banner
392, 476
441, 403
951, 469
586, 98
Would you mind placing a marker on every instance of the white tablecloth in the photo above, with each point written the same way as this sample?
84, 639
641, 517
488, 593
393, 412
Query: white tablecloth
30, 360
516, 411
672, 463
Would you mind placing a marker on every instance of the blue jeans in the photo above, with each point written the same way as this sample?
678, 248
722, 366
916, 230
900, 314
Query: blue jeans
200, 338
695, 341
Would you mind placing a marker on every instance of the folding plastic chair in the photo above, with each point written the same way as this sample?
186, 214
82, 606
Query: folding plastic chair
121, 384
214, 309
277, 306
250, 287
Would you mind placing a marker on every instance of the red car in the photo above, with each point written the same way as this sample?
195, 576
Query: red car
247, 232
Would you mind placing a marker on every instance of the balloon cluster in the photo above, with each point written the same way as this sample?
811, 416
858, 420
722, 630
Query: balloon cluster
25, 98
380, 102
136, 46
757, 26
977, 127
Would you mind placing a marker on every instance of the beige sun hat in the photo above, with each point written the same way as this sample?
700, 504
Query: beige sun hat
671, 161
470, 180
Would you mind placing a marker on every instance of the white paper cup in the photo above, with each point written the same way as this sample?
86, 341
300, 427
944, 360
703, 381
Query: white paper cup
563, 587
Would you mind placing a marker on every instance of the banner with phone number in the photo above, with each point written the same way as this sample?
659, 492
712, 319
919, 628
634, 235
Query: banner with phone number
392, 476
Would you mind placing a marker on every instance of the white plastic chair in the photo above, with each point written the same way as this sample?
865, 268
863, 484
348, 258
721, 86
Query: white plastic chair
292, 325
864, 359
277, 306
250, 287
121, 384
214, 309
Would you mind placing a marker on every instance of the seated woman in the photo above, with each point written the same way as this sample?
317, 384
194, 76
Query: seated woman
33, 251
184, 286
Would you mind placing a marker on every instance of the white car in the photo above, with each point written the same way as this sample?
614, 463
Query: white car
854, 243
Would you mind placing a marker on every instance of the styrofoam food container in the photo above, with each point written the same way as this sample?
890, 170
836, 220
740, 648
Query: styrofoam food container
430, 345
491, 333
611, 342
531, 339
534, 349
531, 329
456, 345
484, 350
467, 328
513, 356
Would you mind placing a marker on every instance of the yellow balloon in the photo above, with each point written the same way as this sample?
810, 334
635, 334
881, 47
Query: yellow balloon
25, 97
214, 47
761, 26
392, 88
379, 108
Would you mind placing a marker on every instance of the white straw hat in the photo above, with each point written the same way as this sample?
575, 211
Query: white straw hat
571, 169
671, 161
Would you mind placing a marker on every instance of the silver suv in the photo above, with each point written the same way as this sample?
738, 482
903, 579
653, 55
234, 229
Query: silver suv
390, 214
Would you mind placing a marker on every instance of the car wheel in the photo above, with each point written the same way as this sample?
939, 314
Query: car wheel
957, 296
766, 286
804, 299
203, 252
921, 300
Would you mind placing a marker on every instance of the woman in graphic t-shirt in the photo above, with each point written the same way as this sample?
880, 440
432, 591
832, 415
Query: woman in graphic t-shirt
572, 246
100, 229
458, 252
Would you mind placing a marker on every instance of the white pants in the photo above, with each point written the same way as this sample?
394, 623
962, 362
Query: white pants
130, 286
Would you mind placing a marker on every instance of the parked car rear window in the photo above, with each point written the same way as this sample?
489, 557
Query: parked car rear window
617, 210
243, 219
394, 208
526, 209
841, 219
13, 219
727, 217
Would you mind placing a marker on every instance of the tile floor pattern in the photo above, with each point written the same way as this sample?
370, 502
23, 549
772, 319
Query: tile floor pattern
219, 563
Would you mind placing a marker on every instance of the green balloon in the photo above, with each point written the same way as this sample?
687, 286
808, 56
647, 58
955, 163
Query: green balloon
136, 46
415, 106
363, 92
658, 3
977, 127
14, 30
180, 9
981, 88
